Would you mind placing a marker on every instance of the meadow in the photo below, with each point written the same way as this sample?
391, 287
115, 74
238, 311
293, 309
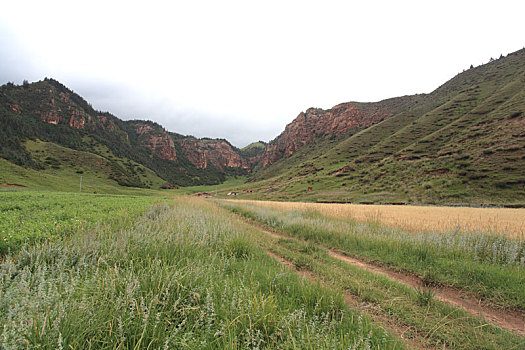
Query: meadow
185, 274
498, 221
490, 266
480, 269
29, 216
179, 272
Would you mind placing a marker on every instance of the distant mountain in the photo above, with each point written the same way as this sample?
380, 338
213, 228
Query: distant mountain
462, 143
49, 111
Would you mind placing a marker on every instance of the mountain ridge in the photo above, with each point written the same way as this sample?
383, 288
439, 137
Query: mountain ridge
464, 139
49, 111
463, 142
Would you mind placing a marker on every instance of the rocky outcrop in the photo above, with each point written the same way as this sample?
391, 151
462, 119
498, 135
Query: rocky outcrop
77, 120
219, 153
53, 103
15, 108
51, 117
157, 139
316, 122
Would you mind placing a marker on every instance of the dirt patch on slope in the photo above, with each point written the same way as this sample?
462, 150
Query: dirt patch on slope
11, 185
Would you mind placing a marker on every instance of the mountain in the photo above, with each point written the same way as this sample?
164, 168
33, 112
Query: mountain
343, 119
48, 111
462, 143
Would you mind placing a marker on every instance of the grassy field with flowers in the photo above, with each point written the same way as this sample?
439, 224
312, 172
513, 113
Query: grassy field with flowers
130, 272
186, 274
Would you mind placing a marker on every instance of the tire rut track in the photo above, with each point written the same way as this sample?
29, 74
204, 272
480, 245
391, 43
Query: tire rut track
510, 320
352, 301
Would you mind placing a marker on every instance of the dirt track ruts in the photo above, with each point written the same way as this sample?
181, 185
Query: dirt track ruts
513, 321
352, 301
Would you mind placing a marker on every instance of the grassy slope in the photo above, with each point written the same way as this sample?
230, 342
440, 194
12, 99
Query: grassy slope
463, 143
64, 166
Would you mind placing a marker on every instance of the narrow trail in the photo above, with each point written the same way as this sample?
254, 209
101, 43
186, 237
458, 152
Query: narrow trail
510, 320
353, 302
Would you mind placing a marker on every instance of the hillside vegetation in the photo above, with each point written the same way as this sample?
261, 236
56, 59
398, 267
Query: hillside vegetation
49, 112
462, 143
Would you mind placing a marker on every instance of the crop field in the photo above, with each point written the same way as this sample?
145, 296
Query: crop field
372, 260
179, 272
27, 216
498, 221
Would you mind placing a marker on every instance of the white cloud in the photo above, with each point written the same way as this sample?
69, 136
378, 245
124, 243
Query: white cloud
242, 70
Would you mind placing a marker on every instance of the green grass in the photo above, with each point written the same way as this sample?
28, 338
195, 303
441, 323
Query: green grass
416, 314
29, 216
63, 167
461, 144
184, 275
231, 184
488, 266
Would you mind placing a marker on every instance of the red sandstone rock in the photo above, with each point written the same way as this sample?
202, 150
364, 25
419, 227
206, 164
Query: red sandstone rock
15, 108
50, 117
157, 140
217, 152
314, 123
77, 121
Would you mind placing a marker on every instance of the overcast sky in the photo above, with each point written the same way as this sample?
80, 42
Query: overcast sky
242, 70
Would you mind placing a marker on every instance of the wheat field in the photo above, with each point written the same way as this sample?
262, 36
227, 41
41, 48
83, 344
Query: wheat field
501, 221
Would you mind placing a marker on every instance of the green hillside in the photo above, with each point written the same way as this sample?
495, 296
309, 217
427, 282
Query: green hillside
462, 143
49, 111
60, 169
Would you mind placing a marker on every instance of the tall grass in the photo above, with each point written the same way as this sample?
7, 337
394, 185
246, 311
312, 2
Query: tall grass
491, 266
29, 216
182, 276
496, 221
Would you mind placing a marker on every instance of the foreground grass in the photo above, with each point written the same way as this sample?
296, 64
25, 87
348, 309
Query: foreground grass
29, 216
187, 275
415, 314
488, 266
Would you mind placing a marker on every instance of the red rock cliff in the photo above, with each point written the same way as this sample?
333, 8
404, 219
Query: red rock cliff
157, 140
315, 122
220, 153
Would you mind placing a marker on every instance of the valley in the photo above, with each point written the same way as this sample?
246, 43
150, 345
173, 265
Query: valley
397, 224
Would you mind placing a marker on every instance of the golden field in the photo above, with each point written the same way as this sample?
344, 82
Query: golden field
501, 221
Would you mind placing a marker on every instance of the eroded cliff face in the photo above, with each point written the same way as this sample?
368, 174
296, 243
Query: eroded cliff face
219, 153
58, 107
55, 104
315, 123
158, 140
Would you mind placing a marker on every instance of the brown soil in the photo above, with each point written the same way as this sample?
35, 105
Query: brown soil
513, 321
353, 302
11, 185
